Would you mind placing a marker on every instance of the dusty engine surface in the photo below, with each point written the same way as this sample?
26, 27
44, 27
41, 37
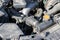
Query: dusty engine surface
29, 19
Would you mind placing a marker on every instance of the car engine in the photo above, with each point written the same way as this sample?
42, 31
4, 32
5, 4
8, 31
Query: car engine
29, 19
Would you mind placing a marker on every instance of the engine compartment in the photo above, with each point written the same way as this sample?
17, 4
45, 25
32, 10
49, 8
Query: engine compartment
29, 19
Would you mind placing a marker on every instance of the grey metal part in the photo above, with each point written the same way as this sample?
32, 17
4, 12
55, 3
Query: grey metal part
18, 19
54, 35
3, 13
3, 16
28, 8
2, 1
31, 21
55, 9
10, 30
40, 26
31, 37
57, 18
19, 3
39, 12
26, 11
51, 3
50, 30
44, 25
5, 0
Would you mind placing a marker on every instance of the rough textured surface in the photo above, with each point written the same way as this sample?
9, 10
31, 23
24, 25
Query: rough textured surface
9, 30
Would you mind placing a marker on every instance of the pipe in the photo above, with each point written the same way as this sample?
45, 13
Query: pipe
42, 26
